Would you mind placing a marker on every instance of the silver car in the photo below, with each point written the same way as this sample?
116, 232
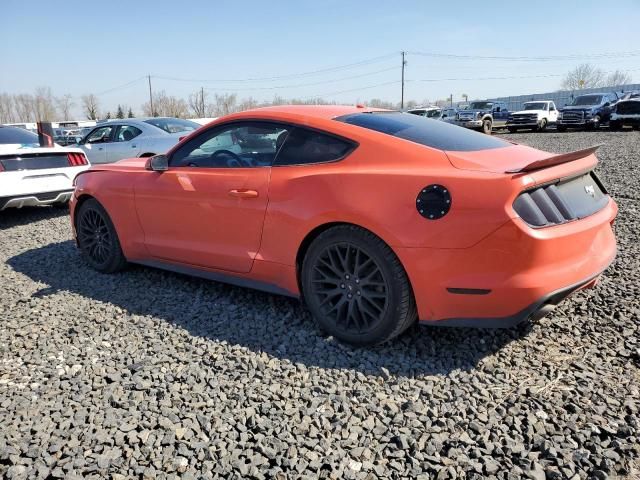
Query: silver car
114, 140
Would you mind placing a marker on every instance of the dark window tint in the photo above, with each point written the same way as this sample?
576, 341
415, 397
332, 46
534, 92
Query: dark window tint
126, 133
424, 131
10, 135
304, 146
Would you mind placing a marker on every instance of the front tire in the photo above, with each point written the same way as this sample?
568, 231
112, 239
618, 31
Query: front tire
561, 128
97, 238
512, 129
615, 125
487, 125
356, 288
543, 125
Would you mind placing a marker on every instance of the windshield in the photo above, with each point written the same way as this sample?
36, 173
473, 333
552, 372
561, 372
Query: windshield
173, 125
535, 106
480, 106
587, 100
424, 131
12, 135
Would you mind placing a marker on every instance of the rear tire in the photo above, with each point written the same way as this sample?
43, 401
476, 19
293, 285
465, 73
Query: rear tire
487, 126
356, 288
97, 238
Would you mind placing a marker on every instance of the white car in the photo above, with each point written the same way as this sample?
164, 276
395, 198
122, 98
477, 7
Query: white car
33, 175
536, 116
115, 140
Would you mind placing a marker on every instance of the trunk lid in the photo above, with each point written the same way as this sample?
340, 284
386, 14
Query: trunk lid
513, 159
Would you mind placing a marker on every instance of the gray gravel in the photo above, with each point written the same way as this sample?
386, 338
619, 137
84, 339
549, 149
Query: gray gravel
147, 374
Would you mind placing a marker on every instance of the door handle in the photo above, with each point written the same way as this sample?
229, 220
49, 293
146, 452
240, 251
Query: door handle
133, 146
243, 193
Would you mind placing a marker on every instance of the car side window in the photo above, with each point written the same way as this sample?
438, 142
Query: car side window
126, 133
552, 107
237, 145
100, 135
303, 146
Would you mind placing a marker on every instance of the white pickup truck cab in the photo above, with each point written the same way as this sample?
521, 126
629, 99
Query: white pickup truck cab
536, 116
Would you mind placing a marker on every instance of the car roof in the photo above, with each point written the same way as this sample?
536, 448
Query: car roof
326, 112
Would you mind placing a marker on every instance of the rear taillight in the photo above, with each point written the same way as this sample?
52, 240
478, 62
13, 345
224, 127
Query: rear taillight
1, 167
77, 159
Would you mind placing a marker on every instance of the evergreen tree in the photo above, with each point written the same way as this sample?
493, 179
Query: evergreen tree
107, 116
130, 114
119, 113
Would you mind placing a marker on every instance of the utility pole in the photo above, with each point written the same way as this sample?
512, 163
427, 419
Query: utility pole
150, 96
202, 101
402, 93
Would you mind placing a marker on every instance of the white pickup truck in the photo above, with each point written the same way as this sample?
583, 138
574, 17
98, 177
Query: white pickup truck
535, 116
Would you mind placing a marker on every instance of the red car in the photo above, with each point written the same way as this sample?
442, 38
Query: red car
375, 218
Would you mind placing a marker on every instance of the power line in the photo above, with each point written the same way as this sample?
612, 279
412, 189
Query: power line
280, 77
394, 82
324, 82
121, 86
628, 54
551, 75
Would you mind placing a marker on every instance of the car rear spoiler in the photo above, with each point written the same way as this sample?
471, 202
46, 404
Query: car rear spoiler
556, 160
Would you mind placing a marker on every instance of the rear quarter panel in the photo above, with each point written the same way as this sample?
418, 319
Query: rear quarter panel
376, 187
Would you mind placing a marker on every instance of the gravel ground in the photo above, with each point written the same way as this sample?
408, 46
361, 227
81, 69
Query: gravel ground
147, 374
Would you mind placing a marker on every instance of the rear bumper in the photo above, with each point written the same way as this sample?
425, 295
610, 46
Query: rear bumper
535, 311
511, 275
35, 199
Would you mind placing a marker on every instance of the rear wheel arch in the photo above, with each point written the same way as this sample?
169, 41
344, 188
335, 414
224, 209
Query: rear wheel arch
317, 231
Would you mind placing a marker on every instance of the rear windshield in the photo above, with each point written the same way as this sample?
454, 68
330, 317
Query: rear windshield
173, 125
9, 135
431, 133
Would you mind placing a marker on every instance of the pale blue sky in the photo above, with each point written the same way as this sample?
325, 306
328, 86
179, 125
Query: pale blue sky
84, 46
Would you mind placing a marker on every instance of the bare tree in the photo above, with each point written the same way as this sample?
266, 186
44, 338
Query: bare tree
166, 106
198, 103
7, 110
583, 76
90, 106
247, 104
24, 107
224, 104
379, 103
44, 104
618, 77
65, 103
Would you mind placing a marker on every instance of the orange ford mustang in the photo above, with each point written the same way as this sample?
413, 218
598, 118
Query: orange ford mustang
375, 218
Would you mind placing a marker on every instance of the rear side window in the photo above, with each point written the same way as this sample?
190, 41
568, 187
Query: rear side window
431, 133
304, 146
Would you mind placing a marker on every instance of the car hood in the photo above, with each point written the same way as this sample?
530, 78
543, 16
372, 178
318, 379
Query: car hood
462, 112
580, 107
529, 111
126, 165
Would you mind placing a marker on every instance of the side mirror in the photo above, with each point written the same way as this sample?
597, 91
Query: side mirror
157, 163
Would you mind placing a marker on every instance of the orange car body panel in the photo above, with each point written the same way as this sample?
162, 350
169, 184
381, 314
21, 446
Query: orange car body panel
186, 217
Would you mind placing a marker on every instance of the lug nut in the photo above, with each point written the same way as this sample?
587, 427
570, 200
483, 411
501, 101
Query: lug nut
342, 285
347, 276
349, 296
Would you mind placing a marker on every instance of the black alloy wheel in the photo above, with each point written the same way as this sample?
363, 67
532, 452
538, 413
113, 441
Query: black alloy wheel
356, 288
97, 238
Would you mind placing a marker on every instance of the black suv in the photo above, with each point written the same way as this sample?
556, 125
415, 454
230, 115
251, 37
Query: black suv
587, 111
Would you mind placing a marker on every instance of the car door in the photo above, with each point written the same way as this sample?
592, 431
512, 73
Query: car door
208, 208
94, 144
125, 144
553, 113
